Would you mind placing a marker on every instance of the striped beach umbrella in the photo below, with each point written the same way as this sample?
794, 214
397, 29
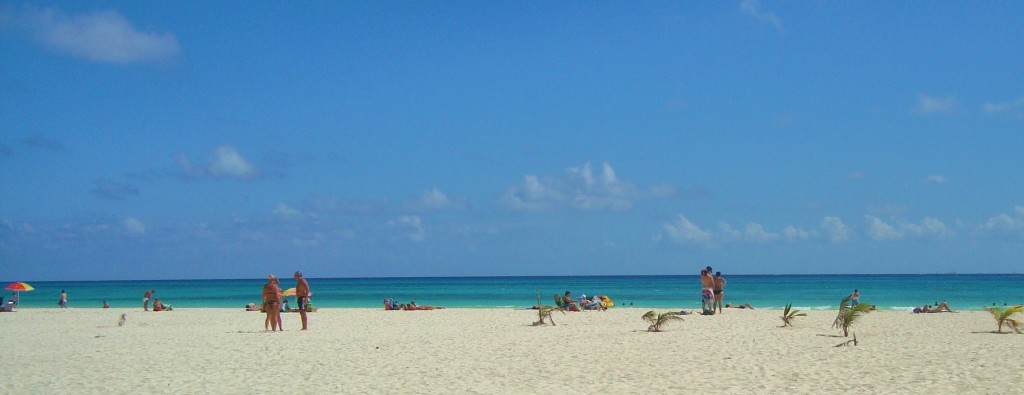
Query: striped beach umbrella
18, 287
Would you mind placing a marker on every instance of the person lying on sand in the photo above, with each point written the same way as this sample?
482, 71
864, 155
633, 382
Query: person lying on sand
413, 306
939, 308
744, 306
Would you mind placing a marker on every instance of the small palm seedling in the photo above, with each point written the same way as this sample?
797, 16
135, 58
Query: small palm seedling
789, 314
848, 316
658, 320
843, 305
1002, 316
544, 313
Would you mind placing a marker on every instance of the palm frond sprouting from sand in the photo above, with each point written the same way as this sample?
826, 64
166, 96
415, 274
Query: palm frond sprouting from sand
789, 314
1002, 316
544, 313
848, 315
658, 320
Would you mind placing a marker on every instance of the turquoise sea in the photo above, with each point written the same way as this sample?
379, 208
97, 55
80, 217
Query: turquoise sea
900, 292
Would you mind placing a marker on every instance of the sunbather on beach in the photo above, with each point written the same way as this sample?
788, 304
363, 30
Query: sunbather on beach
413, 306
743, 306
159, 306
592, 304
939, 308
568, 303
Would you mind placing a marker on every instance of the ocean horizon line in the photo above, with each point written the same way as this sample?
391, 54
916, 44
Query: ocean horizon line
532, 276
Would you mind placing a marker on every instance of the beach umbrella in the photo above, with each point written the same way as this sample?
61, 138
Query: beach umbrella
18, 287
289, 292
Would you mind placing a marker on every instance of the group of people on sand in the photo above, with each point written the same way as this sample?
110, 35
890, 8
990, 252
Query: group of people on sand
712, 291
158, 305
392, 304
272, 297
567, 302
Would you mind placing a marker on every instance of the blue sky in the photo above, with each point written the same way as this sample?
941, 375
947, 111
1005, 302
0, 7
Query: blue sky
353, 139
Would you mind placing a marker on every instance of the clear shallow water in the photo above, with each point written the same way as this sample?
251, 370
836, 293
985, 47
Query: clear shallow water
967, 292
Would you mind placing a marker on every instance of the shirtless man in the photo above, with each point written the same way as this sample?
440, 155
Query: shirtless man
707, 294
719, 291
302, 295
271, 301
145, 300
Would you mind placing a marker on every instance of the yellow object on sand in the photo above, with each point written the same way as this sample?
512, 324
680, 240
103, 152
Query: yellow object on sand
607, 301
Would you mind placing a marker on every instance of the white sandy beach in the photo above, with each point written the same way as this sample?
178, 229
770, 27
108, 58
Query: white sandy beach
496, 351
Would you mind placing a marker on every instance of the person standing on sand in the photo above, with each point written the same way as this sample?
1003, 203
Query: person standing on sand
63, 302
145, 300
271, 301
854, 298
719, 291
302, 295
707, 285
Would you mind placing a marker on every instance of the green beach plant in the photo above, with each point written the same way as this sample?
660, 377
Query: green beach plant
843, 305
544, 313
849, 315
1002, 316
789, 314
658, 320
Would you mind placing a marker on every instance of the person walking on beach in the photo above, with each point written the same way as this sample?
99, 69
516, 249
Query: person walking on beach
719, 291
63, 302
854, 298
271, 301
145, 300
302, 295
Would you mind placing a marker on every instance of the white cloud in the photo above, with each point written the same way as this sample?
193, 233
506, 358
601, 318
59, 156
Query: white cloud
1005, 224
930, 227
727, 233
286, 211
835, 228
936, 179
879, 230
225, 162
229, 163
133, 227
995, 108
579, 189
435, 199
413, 225
682, 230
102, 37
753, 8
756, 233
793, 233
930, 104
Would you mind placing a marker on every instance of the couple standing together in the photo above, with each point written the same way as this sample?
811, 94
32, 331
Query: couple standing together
272, 299
712, 291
